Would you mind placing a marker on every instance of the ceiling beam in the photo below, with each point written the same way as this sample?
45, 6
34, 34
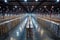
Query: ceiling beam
22, 5
37, 6
41, 2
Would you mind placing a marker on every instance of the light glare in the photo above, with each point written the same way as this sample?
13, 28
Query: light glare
15, 6
25, 0
5, 0
57, 0
36, 0
17, 33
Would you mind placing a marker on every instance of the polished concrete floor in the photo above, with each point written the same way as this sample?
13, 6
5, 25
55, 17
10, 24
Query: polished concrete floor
19, 33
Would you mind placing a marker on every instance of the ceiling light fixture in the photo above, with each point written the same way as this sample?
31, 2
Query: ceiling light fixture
5, 0
15, 6
25, 0
36, 0
52, 6
45, 6
57, 0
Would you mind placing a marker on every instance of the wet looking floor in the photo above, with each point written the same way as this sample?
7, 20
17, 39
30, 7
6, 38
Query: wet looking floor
28, 29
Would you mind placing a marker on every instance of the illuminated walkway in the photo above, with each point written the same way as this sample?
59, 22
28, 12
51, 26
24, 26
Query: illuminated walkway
35, 33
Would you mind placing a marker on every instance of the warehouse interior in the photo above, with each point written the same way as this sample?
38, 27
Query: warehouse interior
29, 19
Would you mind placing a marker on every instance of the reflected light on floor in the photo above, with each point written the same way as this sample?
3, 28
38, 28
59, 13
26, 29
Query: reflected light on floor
38, 29
17, 33
34, 22
27, 26
42, 32
22, 26
20, 29
31, 24
12, 38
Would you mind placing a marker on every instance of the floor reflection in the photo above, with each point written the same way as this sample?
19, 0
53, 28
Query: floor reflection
19, 33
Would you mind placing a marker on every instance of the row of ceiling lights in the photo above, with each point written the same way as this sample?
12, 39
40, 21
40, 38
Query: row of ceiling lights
46, 6
26, 0
32, 6
37, 0
43, 6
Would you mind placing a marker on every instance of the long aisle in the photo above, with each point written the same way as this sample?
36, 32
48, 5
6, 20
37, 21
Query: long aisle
17, 33
28, 29
39, 32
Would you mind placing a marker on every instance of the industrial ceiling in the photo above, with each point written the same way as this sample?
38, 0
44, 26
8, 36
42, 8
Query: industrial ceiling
28, 5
